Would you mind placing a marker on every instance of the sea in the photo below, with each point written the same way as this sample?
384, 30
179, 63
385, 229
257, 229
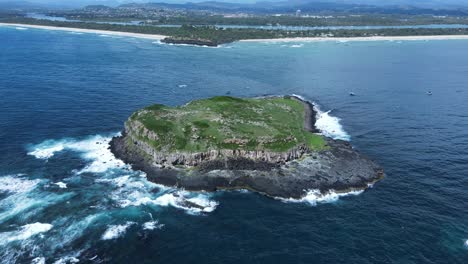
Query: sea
64, 198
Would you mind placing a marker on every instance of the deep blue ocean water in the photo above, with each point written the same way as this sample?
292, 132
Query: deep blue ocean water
63, 197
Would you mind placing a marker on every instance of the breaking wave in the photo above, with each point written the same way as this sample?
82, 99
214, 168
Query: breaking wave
17, 184
192, 204
94, 149
297, 45
151, 225
330, 125
116, 231
38, 260
61, 185
24, 232
313, 197
67, 260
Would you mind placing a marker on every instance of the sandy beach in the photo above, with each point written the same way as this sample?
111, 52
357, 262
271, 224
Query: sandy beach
311, 39
92, 31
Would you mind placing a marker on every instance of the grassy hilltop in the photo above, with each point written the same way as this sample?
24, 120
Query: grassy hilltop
274, 124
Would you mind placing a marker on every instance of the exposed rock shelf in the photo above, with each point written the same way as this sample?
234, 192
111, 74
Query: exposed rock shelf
286, 164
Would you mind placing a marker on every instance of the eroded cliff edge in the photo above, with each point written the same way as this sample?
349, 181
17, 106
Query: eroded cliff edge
285, 165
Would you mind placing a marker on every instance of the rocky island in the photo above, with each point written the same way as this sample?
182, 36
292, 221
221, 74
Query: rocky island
268, 145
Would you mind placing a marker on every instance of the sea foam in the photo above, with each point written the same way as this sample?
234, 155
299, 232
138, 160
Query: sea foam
17, 184
197, 204
61, 185
134, 190
94, 149
327, 124
151, 225
115, 231
330, 125
297, 46
38, 260
67, 260
25, 232
313, 197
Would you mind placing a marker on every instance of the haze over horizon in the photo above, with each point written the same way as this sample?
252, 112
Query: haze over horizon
418, 3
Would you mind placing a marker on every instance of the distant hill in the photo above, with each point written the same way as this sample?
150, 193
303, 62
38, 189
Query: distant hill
438, 7
309, 6
11, 5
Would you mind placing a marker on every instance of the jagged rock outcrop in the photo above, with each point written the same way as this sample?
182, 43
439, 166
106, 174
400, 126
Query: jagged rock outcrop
286, 174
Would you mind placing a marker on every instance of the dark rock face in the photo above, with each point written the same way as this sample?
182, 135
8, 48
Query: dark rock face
189, 41
339, 167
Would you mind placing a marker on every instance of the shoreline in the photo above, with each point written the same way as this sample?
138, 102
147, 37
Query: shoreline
281, 40
362, 39
90, 31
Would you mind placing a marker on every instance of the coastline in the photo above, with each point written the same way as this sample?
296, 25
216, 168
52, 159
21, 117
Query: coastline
305, 39
91, 31
362, 39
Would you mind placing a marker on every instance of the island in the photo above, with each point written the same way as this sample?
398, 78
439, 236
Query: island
268, 145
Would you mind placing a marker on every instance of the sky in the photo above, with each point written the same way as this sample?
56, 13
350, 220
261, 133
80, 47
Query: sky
426, 3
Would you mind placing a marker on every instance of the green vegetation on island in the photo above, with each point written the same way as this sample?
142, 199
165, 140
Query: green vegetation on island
273, 124
267, 145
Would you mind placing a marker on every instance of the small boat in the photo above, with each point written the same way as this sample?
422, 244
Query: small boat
352, 94
429, 93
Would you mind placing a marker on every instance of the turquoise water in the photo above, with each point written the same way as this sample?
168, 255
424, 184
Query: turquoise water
64, 197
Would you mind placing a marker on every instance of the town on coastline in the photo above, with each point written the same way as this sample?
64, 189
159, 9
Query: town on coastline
216, 24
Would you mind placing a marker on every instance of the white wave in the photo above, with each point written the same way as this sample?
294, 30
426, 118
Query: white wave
300, 97
151, 225
131, 190
73, 229
137, 192
25, 232
94, 149
38, 260
330, 125
67, 260
327, 124
314, 197
182, 200
15, 184
21, 28
466, 244
47, 149
75, 33
182, 85
61, 185
28, 203
297, 46
115, 231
